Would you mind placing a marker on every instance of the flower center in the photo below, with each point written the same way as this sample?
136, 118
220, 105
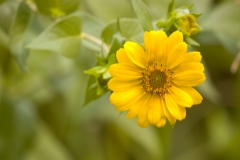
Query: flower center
156, 79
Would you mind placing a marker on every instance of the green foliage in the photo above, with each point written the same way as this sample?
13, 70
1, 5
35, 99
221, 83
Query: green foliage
98, 86
61, 37
129, 29
143, 15
15, 139
56, 8
171, 8
102, 8
19, 34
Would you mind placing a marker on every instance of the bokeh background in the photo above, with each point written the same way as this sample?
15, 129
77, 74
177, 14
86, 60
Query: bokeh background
42, 112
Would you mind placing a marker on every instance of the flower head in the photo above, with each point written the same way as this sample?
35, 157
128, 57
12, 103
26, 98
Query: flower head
155, 83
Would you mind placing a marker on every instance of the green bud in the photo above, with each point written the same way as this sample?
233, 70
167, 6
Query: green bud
187, 24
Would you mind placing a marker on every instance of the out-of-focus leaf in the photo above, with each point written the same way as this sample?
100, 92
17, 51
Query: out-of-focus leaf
16, 128
45, 142
130, 29
116, 45
7, 12
57, 8
19, 35
143, 14
224, 21
91, 25
3, 40
170, 8
61, 37
4, 51
110, 9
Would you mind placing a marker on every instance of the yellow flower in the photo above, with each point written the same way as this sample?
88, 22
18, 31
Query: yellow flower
155, 83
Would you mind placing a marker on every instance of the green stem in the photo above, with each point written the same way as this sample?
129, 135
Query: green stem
95, 40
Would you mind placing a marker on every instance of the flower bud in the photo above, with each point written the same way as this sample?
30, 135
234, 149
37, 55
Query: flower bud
187, 24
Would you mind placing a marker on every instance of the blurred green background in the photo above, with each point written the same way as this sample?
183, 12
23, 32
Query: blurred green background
42, 90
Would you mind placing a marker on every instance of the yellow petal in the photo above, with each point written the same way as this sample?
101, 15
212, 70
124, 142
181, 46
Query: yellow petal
162, 122
176, 54
188, 78
189, 66
154, 109
156, 45
126, 97
175, 38
183, 111
196, 97
136, 106
181, 97
124, 72
135, 53
173, 108
143, 113
123, 58
170, 118
117, 85
191, 57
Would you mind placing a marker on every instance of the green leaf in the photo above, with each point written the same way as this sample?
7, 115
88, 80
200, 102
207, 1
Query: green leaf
4, 51
17, 127
90, 24
170, 9
62, 37
3, 39
100, 60
116, 45
143, 14
8, 11
57, 8
95, 89
108, 10
96, 71
112, 59
170, 22
102, 86
130, 29
19, 34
